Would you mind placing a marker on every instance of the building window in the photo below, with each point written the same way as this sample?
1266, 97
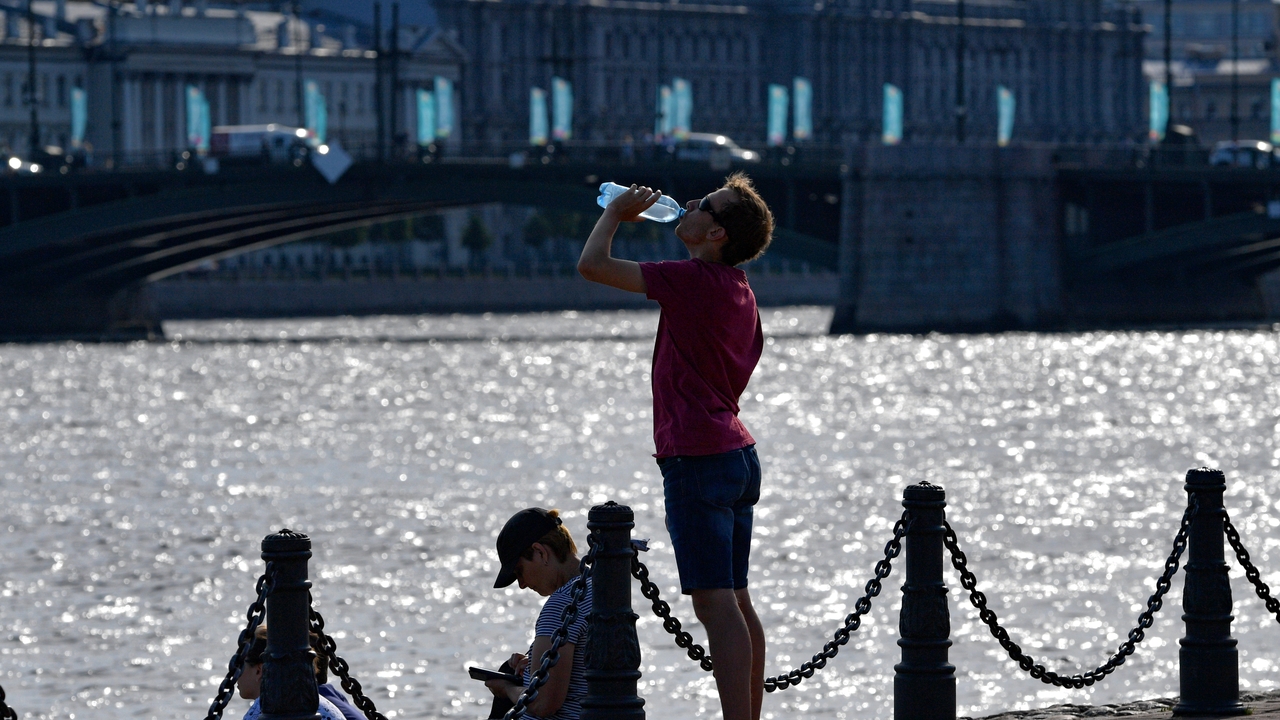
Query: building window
279, 96
1210, 110
1255, 111
62, 91
8, 89
359, 98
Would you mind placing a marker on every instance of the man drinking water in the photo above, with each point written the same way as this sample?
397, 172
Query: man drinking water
708, 343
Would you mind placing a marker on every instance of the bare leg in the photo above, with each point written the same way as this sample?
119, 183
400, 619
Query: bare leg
729, 638
756, 631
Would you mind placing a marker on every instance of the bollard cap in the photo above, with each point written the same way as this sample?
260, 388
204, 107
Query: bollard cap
924, 491
611, 509
286, 541
610, 515
1206, 477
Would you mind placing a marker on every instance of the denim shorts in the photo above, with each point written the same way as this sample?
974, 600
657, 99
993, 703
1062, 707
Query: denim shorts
709, 508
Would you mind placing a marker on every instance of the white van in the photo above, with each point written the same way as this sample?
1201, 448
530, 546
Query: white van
258, 143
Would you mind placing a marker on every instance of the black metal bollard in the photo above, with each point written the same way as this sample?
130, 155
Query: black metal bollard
612, 656
924, 683
288, 669
1209, 663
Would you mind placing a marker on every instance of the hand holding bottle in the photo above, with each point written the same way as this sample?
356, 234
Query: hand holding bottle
654, 206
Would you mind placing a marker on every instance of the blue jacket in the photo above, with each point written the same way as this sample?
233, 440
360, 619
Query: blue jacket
349, 711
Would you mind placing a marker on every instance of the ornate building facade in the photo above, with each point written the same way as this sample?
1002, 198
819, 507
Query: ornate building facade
1075, 66
135, 67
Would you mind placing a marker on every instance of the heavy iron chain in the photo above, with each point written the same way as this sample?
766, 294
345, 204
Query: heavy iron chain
1136, 635
6, 712
789, 679
558, 638
697, 653
256, 614
854, 619
1250, 572
339, 667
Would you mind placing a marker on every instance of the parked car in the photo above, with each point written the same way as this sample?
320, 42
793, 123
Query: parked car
711, 147
1244, 154
14, 165
62, 160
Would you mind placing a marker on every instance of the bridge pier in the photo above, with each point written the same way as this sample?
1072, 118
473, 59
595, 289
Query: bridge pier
961, 239
79, 314
948, 238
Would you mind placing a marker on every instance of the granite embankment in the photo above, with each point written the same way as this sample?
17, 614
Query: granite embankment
1266, 705
217, 298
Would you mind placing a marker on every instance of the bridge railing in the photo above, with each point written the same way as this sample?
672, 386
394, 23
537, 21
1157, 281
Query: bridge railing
610, 154
510, 155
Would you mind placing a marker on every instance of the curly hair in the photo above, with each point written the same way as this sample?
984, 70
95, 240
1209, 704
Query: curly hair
747, 222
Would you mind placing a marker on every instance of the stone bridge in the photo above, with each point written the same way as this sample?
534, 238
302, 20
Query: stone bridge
79, 247
927, 238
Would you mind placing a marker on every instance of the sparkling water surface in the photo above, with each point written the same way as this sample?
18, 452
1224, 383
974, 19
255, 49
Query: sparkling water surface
139, 479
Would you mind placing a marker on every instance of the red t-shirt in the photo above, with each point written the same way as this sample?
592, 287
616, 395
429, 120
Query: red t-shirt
709, 341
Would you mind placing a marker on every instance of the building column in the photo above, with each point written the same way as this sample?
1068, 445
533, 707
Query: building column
157, 91
131, 112
180, 112
221, 90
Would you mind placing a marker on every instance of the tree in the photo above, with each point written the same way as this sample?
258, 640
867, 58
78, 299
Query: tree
429, 227
476, 238
536, 231
348, 238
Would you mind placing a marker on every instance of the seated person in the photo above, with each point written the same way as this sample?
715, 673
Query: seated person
329, 692
250, 682
536, 550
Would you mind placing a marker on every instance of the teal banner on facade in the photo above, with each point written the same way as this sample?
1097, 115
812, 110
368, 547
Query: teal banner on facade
197, 120
682, 108
206, 121
1275, 111
802, 123
1006, 106
537, 116
444, 107
316, 113
1159, 111
561, 109
426, 117
892, 131
777, 134
664, 114
79, 115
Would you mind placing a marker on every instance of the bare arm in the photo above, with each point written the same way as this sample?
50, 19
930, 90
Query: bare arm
597, 263
550, 696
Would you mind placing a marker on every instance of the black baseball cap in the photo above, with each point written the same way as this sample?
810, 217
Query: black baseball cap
522, 530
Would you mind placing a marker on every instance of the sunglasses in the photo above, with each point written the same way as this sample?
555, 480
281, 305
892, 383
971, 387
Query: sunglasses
705, 206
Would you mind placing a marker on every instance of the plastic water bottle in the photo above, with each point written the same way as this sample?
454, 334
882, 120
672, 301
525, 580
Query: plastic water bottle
665, 210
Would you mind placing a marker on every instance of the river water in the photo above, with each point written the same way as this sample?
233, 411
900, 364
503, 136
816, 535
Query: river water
139, 479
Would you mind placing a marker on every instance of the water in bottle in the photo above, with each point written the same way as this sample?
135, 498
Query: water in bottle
665, 210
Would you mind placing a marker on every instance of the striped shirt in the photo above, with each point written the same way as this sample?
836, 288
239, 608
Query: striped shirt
548, 623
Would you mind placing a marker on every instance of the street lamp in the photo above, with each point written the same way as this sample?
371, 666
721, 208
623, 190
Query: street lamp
961, 109
33, 138
297, 41
1235, 71
1168, 50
